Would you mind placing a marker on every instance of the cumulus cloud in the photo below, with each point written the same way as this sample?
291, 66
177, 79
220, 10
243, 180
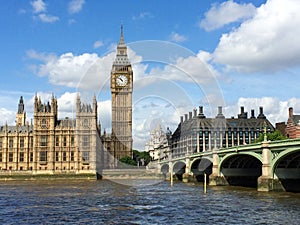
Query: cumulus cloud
226, 13
39, 10
75, 6
38, 6
98, 44
177, 37
77, 71
265, 43
48, 18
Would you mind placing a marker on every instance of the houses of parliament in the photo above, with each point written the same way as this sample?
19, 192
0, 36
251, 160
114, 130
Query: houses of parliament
51, 145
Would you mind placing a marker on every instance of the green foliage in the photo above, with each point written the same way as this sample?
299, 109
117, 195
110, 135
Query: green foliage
275, 136
128, 160
142, 155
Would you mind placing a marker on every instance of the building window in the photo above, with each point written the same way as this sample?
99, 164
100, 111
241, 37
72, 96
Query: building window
21, 157
64, 156
57, 141
11, 143
85, 156
31, 156
56, 156
86, 141
72, 140
65, 141
72, 156
44, 141
0, 156
10, 157
21, 142
0, 142
43, 156
31, 142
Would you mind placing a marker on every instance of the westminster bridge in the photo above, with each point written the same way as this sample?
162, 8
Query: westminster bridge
269, 166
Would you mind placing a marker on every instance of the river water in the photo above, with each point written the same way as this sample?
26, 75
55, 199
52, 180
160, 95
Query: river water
141, 202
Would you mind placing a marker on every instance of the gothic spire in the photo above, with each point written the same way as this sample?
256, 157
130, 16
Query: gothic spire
121, 41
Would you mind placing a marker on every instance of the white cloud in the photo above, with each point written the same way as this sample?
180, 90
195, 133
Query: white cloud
266, 43
39, 10
275, 110
193, 69
225, 13
85, 71
7, 117
38, 6
48, 18
142, 15
98, 44
75, 6
177, 37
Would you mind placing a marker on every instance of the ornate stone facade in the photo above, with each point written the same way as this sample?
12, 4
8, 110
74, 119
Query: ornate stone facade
121, 85
51, 145
159, 144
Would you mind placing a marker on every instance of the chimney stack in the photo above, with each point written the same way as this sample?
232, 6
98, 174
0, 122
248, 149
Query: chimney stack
190, 115
291, 112
181, 119
185, 117
220, 114
201, 115
195, 112
261, 113
252, 114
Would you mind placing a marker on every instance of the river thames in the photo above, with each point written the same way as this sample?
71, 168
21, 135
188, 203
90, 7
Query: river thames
142, 202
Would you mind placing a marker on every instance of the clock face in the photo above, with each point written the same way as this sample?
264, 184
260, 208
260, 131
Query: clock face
121, 80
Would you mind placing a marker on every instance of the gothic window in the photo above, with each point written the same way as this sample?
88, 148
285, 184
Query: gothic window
72, 156
44, 141
56, 156
10, 157
11, 143
21, 142
56, 141
43, 123
64, 156
72, 140
21, 157
43, 156
86, 141
85, 123
65, 141
85, 156
31, 157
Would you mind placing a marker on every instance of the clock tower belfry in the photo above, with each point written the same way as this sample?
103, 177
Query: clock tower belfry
121, 85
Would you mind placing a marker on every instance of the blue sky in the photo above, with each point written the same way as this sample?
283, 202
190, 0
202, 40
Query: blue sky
184, 54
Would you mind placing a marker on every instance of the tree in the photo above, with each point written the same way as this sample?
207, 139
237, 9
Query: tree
137, 155
128, 160
275, 136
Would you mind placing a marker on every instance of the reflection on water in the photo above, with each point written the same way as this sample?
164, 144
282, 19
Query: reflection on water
107, 202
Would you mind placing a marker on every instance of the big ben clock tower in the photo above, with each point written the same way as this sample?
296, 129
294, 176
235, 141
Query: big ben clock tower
121, 84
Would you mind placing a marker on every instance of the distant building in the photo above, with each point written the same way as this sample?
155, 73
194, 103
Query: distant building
159, 144
292, 129
51, 145
196, 133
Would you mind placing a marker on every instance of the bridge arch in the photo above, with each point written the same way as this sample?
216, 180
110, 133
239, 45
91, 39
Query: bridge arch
179, 169
201, 166
164, 169
286, 168
241, 169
